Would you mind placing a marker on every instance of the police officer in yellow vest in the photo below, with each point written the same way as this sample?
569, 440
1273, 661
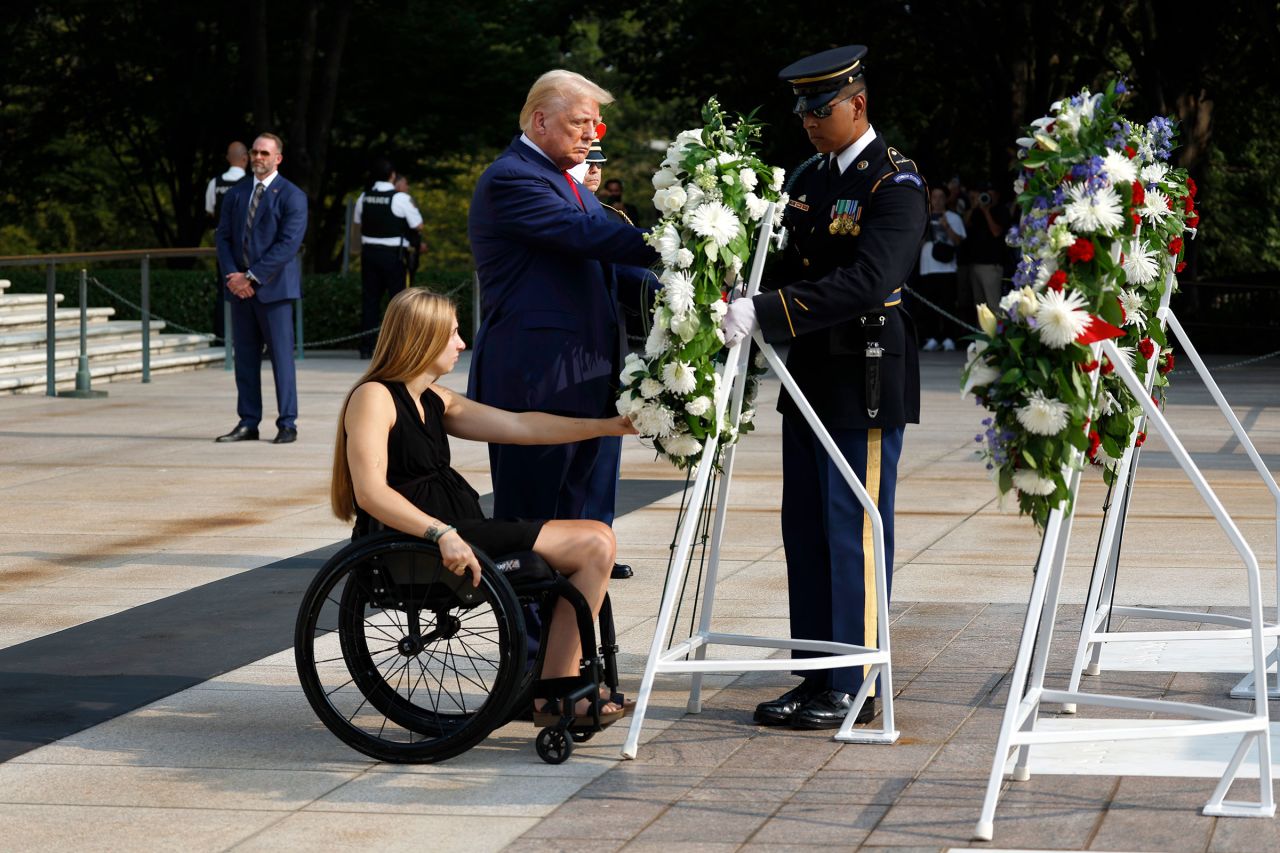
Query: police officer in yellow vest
856, 217
385, 215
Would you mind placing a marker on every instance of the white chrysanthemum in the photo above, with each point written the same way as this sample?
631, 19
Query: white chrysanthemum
664, 178
715, 221
670, 199
1154, 173
1031, 483
1043, 415
656, 344
756, 206
629, 403
748, 178
685, 326
677, 291
1129, 354
1141, 264
654, 420
1109, 404
681, 445
1155, 207
669, 244
1088, 212
1119, 167
782, 200
684, 259
1105, 458
1134, 313
632, 366
718, 309
1060, 317
650, 388
679, 377
779, 175
698, 406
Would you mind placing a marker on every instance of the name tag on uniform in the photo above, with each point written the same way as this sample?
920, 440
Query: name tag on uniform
798, 205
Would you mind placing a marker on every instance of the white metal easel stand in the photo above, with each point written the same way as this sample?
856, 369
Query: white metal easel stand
662, 659
1027, 691
1094, 633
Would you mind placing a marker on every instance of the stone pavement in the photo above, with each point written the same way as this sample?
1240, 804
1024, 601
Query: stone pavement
113, 504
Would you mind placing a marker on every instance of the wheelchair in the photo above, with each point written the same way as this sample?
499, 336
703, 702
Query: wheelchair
407, 662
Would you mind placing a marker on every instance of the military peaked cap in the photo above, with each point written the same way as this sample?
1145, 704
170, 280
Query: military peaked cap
816, 79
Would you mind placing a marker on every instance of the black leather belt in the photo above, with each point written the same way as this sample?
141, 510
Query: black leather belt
872, 326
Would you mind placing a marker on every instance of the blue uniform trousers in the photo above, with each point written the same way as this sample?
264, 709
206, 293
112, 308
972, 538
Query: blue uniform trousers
254, 323
830, 563
556, 481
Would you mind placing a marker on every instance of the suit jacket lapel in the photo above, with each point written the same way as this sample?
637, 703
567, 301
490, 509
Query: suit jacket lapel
537, 161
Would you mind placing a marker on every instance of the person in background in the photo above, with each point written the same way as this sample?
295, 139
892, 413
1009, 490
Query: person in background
986, 222
237, 162
936, 279
384, 215
612, 196
417, 244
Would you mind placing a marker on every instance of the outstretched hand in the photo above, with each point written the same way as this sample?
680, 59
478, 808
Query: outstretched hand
621, 425
739, 321
457, 556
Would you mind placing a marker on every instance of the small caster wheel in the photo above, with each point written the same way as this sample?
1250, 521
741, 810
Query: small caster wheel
581, 736
554, 746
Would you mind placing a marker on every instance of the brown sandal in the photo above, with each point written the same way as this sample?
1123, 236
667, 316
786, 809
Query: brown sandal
550, 714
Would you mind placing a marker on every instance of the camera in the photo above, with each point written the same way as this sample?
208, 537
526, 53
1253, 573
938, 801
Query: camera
984, 198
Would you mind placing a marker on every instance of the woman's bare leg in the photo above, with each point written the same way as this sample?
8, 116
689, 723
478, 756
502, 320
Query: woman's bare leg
583, 551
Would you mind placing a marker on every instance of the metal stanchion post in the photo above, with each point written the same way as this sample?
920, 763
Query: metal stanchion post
51, 332
146, 318
83, 388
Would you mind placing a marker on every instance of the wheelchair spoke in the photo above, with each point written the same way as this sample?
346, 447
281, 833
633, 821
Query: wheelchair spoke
444, 663
472, 660
371, 652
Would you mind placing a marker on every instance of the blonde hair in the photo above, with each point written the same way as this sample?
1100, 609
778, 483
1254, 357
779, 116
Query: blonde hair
415, 331
556, 90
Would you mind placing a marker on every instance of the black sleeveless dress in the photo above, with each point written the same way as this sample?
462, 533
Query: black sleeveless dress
418, 468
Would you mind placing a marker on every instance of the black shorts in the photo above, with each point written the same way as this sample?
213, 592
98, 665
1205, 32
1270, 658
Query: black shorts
499, 537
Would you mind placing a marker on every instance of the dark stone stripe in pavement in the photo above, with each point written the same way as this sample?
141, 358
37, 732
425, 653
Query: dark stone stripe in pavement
57, 685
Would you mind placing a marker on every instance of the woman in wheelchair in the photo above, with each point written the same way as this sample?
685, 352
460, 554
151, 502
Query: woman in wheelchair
391, 469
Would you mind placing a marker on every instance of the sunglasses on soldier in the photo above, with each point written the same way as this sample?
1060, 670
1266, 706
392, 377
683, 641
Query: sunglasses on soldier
826, 109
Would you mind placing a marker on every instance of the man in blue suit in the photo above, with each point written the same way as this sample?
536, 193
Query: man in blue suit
551, 338
259, 234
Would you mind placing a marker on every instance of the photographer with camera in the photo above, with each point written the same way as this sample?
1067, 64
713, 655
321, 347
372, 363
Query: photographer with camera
936, 278
982, 261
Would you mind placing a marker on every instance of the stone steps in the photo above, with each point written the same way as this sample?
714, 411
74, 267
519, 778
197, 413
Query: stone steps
114, 347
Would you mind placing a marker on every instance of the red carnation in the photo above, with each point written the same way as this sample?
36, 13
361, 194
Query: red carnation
1139, 194
1146, 347
1081, 251
1089, 366
1107, 366
1168, 202
1137, 222
1194, 221
1188, 203
1057, 280
1191, 187
1166, 362
1175, 245
1182, 265
1141, 439
1128, 149
1094, 441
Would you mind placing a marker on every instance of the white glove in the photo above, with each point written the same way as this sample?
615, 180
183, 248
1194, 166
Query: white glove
739, 321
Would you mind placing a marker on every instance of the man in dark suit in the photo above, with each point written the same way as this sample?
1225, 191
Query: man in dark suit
259, 234
856, 218
551, 336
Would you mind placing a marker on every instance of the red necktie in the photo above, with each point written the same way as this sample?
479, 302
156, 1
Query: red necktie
573, 185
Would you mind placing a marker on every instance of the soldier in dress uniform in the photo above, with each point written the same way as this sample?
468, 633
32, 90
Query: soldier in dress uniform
856, 217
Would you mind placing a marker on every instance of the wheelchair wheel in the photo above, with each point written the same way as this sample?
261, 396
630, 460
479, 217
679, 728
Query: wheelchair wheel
403, 660
554, 745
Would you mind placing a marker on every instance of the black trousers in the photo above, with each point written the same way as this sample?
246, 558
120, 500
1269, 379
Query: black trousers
381, 271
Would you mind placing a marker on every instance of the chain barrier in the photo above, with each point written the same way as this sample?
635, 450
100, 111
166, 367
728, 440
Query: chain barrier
952, 317
214, 338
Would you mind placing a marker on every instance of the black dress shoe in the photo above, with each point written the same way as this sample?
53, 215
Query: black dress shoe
240, 433
621, 571
827, 710
778, 712
285, 436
